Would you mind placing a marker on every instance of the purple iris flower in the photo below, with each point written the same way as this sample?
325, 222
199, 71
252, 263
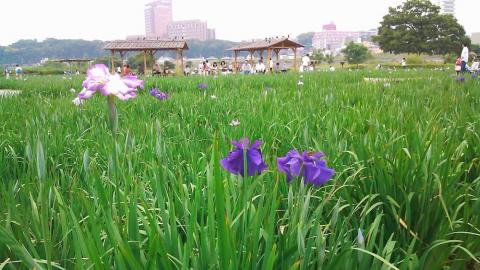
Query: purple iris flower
474, 76
460, 79
234, 162
154, 92
309, 165
202, 86
100, 80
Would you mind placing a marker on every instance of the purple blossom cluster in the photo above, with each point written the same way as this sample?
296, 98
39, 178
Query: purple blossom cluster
308, 165
202, 86
154, 92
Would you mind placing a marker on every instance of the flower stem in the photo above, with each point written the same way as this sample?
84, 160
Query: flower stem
112, 114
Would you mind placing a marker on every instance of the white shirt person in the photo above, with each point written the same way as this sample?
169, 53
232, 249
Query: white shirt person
464, 57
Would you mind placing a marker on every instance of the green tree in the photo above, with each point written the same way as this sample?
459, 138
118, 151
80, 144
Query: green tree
418, 27
329, 58
355, 53
135, 60
318, 56
306, 39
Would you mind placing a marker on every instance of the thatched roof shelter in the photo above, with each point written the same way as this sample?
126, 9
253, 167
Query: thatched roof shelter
268, 45
148, 45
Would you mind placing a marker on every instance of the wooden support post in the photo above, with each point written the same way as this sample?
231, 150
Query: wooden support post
294, 59
112, 59
277, 52
251, 58
268, 60
145, 62
122, 64
179, 63
235, 62
153, 59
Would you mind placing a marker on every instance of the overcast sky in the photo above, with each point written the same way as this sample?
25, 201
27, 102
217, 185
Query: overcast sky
233, 20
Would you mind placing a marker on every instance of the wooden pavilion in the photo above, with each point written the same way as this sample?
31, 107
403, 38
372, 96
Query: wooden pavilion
268, 45
150, 46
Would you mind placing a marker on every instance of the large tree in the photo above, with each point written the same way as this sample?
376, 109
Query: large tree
418, 27
355, 53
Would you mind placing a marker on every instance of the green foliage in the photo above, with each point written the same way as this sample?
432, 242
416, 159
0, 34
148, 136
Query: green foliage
329, 58
417, 26
32, 51
414, 59
169, 65
450, 58
405, 156
306, 39
355, 53
318, 56
136, 60
209, 48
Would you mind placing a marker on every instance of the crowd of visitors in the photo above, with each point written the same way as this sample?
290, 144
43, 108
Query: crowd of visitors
462, 62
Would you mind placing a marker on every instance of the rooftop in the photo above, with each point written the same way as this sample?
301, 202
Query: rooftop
272, 43
146, 44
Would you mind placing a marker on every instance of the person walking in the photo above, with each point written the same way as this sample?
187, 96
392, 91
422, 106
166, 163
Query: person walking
18, 72
464, 58
7, 73
305, 63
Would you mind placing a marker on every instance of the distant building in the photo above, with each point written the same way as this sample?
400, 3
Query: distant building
476, 38
372, 47
190, 29
159, 23
447, 6
367, 35
158, 15
329, 27
333, 40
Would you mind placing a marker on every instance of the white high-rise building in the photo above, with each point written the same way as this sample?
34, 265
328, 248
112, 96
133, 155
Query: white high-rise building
448, 6
158, 14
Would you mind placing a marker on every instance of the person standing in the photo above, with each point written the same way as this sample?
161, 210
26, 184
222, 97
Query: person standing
126, 71
271, 65
404, 63
458, 65
18, 72
305, 62
7, 73
464, 58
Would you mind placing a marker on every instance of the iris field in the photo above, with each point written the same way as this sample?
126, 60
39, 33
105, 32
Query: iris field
405, 193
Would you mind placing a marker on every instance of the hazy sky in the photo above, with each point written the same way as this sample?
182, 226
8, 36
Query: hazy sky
233, 20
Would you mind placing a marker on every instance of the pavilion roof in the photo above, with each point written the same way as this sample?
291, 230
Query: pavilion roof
146, 44
272, 43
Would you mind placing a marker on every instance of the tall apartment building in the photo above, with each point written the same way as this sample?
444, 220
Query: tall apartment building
447, 6
333, 40
190, 29
158, 15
